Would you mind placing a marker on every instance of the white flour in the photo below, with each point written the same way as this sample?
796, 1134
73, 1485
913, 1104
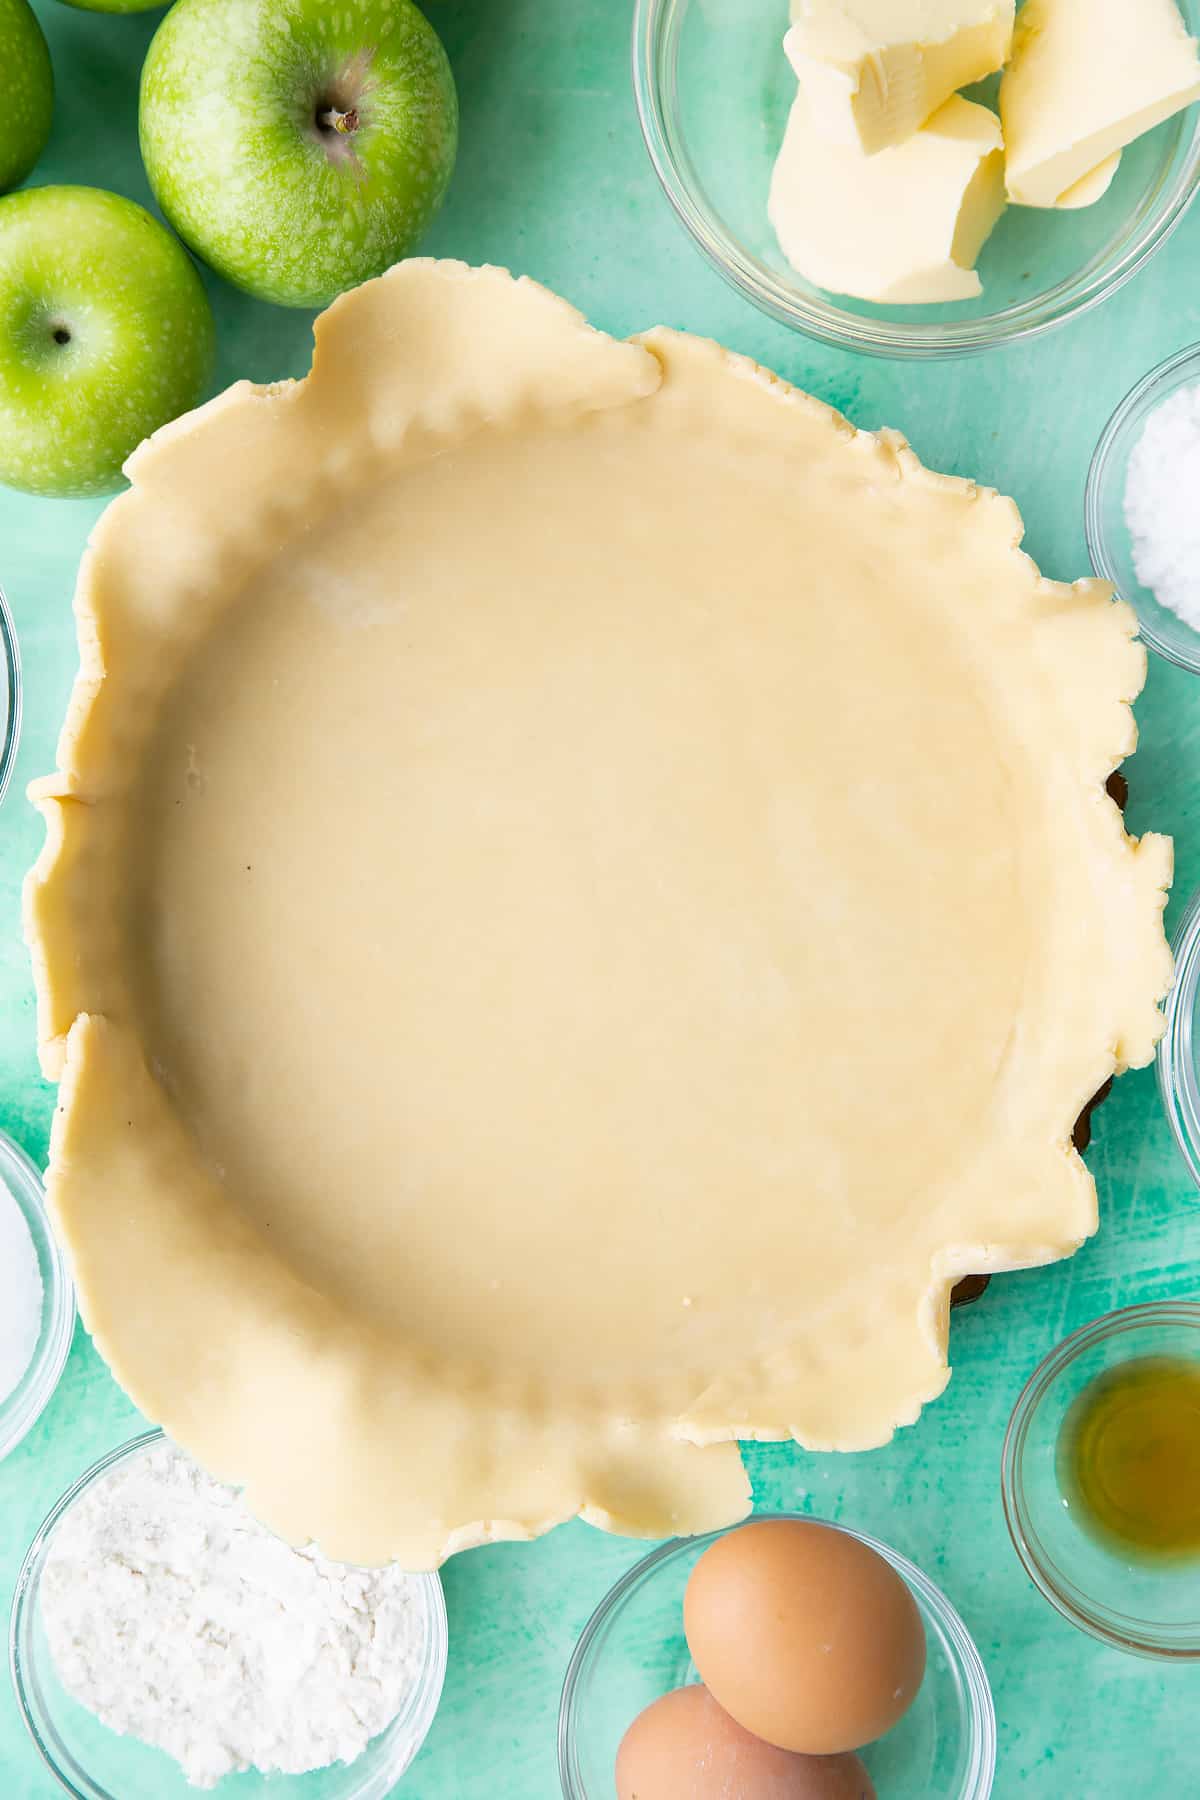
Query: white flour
1162, 504
21, 1295
178, 1619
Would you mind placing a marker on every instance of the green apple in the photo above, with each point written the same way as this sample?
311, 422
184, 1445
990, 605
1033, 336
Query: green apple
28, 91
105, 334
298, 146
116, 6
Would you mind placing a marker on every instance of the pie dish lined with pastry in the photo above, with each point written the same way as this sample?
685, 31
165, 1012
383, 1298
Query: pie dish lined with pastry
567, 859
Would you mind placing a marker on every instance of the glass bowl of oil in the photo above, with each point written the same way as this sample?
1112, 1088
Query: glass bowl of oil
1100, 1479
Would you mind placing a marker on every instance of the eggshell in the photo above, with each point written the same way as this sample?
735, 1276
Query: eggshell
685, 1747
805, 1636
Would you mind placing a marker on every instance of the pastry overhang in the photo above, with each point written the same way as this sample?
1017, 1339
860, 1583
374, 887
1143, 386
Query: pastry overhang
578, 898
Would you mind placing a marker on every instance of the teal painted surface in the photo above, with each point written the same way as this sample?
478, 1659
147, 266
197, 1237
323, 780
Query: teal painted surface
553, 181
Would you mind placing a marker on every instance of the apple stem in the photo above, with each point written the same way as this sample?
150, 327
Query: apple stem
333, 119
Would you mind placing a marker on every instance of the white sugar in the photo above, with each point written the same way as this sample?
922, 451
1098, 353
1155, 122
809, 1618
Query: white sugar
20, 1295
1162, 504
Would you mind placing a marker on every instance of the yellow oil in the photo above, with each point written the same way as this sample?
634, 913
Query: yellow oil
1129, 1456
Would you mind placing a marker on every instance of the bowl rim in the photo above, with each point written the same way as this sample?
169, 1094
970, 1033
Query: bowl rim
1105, 459
981, 1709
13, 694
1117, 1630
410, 1726
1178, 1085
829, 323
21, 1410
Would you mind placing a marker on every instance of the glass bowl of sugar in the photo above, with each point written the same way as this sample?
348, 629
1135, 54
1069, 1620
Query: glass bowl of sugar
1141, 511
37, 1300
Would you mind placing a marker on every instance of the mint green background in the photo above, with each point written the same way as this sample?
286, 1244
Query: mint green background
553, 181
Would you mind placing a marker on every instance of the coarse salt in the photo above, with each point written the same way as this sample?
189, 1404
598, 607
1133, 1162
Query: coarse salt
1162, 504
21, 1296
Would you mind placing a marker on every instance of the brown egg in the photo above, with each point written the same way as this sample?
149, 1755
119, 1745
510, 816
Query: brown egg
685, 1747
808, 1638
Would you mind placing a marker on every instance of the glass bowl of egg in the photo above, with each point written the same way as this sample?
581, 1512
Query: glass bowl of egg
784, 1659
820, 184
1100, 1479
1140, 511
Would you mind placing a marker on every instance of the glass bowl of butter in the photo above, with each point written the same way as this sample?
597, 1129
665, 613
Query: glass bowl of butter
807, 177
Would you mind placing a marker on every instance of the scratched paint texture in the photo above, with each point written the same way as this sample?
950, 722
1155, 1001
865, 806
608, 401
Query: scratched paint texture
553, 181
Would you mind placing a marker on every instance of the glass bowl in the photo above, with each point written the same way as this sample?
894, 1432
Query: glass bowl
93, 1763
10, 695
1149, 1608
1110, 544
713, 90
1177, 1074
633, 1650
24, 1406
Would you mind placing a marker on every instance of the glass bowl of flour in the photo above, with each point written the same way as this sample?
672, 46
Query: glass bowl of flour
164, 1644
1142, 507
37, 1300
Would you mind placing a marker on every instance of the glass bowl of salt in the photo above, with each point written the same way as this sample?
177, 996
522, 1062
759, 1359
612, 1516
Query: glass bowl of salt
1142, 506
37, 1300
10, 695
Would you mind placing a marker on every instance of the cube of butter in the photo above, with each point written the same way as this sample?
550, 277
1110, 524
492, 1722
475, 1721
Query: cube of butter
903, 227
873, 71
1092, 187
1086, 78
